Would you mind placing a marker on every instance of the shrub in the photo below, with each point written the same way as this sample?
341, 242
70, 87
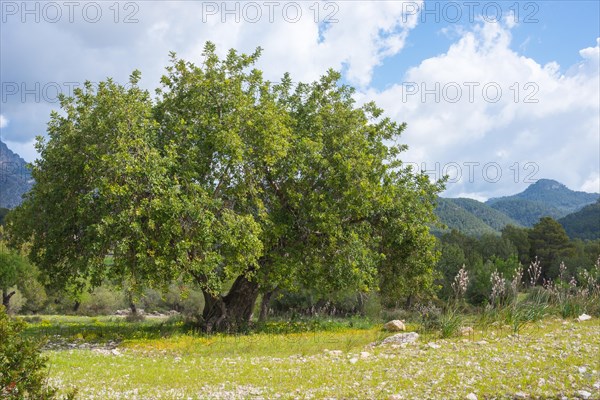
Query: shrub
102, 301
137, 317
36, 296
429, 316
152, 300
22, 368
388, 314
450, 323
518, 314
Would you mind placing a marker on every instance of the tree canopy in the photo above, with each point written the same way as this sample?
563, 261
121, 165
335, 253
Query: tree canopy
228, 177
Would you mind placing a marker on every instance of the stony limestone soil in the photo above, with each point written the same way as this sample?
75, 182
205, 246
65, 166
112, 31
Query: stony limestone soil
550, 359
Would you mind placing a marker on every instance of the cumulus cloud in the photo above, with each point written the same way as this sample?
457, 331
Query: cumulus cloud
352, 36
3, 121
592, 184
304, 39
496, 121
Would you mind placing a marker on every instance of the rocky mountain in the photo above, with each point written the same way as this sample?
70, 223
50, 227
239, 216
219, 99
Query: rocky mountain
15, 178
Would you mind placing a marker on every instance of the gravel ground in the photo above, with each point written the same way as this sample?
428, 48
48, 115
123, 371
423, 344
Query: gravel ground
553, 359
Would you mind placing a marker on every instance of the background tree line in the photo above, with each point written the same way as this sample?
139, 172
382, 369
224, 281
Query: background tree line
515, 248
25, 290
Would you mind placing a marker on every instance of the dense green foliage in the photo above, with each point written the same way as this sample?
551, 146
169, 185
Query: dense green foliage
519, 237
227, 178
19, 277
22, 368
510, 253
550, 243
583, 224
526, 212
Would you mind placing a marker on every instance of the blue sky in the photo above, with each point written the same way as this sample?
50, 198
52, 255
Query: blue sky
506, 94
561, 30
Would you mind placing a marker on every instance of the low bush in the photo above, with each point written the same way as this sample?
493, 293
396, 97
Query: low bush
101, 301
23, 372
450, 323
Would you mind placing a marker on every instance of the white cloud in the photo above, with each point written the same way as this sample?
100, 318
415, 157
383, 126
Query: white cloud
3, 121
592, 184
358, 37
543, 124
474, 196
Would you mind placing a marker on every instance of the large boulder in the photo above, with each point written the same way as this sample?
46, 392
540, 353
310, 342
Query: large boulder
395, 326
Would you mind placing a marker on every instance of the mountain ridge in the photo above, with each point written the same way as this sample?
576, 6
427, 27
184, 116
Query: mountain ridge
551, 193
546, 197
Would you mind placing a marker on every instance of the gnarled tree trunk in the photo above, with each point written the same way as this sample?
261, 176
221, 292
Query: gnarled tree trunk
231, 312
6, 295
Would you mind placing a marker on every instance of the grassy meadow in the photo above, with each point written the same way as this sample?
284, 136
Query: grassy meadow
108, 358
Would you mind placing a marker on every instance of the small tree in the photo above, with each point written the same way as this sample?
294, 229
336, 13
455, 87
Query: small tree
14, 269
550, 243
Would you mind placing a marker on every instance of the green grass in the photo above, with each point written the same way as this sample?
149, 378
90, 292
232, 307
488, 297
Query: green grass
100, 329
548, 359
